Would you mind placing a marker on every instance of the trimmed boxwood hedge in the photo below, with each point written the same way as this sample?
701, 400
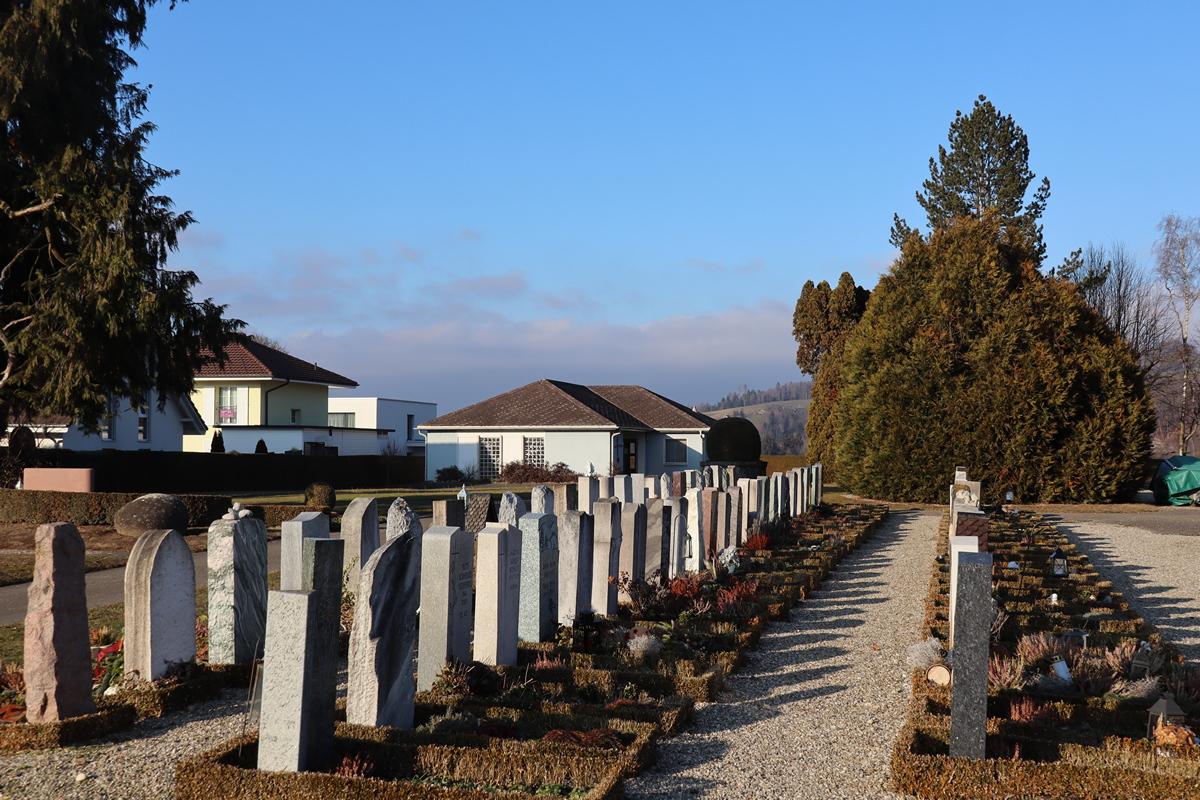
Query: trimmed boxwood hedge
203, 682
45, 735
95, 508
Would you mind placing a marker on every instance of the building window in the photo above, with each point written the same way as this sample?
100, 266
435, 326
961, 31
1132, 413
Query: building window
143, 424
108, 423
489, 457
341, 419
535, 451
410, 425
676, 451
227, 406
295, 416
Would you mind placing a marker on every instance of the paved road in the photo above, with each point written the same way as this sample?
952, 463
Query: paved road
1168, 520
107, 586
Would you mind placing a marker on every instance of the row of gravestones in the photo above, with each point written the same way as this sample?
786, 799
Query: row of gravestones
479, 592
971, 611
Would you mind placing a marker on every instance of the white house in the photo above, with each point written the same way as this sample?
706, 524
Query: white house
263, 393
591, 429
124, 428
401, 417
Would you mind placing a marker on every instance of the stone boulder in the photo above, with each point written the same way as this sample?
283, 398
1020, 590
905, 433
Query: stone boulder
151, 512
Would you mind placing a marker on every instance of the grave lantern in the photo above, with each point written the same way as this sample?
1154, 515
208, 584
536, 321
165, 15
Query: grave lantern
1140, 666
1058, 563
1076, 638
1165, 712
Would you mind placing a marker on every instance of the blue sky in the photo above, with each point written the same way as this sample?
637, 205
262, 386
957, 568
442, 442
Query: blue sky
445, 200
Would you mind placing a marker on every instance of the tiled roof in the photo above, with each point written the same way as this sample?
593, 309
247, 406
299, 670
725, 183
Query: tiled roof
251, 359
551, 403
652, 408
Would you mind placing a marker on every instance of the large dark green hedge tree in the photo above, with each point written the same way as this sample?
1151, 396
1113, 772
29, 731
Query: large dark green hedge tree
87, 309
967, 354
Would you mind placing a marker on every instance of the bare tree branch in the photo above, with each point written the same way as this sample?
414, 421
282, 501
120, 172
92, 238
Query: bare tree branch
24, 212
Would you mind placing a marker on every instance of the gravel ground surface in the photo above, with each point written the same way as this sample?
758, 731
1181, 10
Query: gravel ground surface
1156, 571
135, 765
1170, 520
815, 710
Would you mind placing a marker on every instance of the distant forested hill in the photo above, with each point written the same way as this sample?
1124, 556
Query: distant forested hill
780, 414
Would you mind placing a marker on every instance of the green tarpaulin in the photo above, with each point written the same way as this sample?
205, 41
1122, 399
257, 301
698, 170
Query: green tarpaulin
1177, 480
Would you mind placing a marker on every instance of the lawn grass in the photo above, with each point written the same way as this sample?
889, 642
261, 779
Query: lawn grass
18, 567
12, 643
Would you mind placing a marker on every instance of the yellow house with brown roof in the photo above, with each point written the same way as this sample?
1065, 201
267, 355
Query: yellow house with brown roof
591, 429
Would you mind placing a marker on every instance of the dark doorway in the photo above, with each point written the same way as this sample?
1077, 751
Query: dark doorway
631, 456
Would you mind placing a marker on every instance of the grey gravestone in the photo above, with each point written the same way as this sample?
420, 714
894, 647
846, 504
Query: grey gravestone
589, 492
652, 487
446, 586
724, 530
566, 497
512, 508
58, 668
383, 640
968, 692
497, 593
305, 525
321, 575
623, 488
694, 556
479, 511
160, 605
537, 608
605, 486
299, 675
819, 484
711, 506
237, 590
735, 515
633, 542
606, 556
658, 541
541, 500
679, 544
449, 514
575, 544
360, 532
637, 483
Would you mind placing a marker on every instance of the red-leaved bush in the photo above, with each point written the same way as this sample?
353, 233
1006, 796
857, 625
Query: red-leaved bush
759, 541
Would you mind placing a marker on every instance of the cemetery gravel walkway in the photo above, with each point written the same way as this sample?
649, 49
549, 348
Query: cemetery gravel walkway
814, 711
1155, 570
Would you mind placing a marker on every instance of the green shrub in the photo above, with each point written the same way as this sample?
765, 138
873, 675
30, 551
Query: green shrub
967, 354
451, 475
734, 439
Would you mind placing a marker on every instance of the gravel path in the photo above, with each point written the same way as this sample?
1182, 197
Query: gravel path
816, 708
1155, 571
138, 764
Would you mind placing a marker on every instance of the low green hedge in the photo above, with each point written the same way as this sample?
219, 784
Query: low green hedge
45, 735
204, 682
95, 508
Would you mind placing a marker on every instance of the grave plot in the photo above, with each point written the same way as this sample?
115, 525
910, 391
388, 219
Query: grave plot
1080, 695
568, 717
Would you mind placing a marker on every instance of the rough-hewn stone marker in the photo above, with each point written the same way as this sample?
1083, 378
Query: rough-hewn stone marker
383, 639
299, 679
58, 668
541, 500
497, 593
512, 508
537, 606
237, 590
305, 525
446, 617
575, 543
360, 532
606, 555
401, 519
968, 692
160, 605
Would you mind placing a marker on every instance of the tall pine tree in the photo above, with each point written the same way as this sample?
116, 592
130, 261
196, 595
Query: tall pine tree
87, 308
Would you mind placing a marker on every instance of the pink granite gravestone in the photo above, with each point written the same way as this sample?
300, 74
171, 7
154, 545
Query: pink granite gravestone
58, 665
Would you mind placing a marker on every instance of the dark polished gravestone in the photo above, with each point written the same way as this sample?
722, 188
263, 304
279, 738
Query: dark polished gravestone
973, 629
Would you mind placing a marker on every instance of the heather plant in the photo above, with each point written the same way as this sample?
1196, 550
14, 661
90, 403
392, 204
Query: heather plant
1028, 710
1005, 672
1093, 673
